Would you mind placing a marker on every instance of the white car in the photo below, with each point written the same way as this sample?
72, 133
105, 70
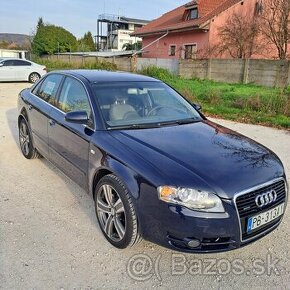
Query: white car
15, 69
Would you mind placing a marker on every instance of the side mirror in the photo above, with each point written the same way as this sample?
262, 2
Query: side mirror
197, 106
78, 117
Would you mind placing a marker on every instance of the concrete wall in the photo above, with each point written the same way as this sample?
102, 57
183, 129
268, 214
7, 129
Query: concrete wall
170, 64
271, 73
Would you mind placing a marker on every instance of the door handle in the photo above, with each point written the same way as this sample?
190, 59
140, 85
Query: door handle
51, 123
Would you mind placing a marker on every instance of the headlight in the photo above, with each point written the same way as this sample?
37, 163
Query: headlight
191, 198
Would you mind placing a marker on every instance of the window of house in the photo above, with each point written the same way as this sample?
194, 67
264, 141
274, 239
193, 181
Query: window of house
190, 51
172, 50
258, 8
193, 14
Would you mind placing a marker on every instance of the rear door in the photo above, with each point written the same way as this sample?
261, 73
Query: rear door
68, 142
42, 100
22, 69
8, 71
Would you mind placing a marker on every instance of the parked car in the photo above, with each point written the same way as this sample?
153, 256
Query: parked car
156, 167
15, 69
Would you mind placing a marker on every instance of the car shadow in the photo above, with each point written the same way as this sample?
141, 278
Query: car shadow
11, 116
81, 196
15, 82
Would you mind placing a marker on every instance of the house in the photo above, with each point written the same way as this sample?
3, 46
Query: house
192, 30
13, 53
113, 31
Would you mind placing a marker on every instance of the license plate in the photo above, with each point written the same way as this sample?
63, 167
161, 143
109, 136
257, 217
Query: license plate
261, 219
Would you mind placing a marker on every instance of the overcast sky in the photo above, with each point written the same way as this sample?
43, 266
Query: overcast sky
18, 16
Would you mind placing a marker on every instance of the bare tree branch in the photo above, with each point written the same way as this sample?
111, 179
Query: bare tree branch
238, 37
275, 25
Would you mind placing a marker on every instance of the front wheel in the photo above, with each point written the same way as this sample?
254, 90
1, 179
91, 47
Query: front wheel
34, 77
25, 141
115, 212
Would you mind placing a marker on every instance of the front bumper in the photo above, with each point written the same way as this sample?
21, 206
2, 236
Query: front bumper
179, 228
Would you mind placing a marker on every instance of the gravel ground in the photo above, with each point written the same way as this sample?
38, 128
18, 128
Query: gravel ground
49, 237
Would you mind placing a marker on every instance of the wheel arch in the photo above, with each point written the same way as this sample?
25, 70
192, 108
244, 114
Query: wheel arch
23, 115
124, 173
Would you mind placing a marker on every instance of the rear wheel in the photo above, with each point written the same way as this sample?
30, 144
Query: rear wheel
34, 77
25, 141
115, 212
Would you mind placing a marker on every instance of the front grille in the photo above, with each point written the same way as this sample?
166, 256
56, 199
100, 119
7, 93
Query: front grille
247, 207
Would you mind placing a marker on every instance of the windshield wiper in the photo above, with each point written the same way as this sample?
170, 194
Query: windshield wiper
134, 126
179, 122
154, 125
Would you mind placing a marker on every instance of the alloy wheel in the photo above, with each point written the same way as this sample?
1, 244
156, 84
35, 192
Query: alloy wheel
24, 138
34, 77
111, 213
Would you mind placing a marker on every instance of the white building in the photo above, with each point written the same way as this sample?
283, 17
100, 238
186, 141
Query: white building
123, 37
12, 53
114, 31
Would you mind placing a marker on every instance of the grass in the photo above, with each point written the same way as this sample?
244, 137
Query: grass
243, 103
59, 65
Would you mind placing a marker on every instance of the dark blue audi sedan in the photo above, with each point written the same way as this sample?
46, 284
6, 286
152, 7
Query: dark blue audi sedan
156, 167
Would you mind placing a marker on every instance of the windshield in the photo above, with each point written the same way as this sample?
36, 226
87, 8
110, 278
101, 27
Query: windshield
142, 104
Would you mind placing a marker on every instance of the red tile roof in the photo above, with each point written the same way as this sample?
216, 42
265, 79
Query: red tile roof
174, 20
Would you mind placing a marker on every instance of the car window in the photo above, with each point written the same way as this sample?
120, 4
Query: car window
21, 63
9, 62
49, 87
73, 97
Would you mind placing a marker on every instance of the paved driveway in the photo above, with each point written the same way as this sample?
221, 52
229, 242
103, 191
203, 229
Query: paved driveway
49, 237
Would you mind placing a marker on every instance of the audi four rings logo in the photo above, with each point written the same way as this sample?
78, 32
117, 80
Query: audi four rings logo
266, 198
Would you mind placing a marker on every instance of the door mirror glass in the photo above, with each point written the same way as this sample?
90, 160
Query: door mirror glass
79, 117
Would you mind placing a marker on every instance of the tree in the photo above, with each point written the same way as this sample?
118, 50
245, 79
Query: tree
133, 46
50, 39
275, 24
86, 43
40, 23
238, 37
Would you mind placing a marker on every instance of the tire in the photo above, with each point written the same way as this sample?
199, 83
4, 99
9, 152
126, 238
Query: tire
25, 141
34, 77
115, 212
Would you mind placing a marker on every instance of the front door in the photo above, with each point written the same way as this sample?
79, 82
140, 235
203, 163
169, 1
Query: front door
68, 142
7, 70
